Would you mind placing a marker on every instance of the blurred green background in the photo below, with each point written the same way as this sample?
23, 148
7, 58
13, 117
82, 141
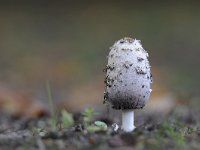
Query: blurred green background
67, 42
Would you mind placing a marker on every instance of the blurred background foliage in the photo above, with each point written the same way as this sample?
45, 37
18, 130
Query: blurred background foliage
67, 44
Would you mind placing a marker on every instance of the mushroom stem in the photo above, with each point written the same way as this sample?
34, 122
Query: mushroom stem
128, 120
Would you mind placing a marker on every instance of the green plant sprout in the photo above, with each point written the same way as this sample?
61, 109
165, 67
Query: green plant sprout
87, 119
102, 125
97, 126
67, 119
87, 115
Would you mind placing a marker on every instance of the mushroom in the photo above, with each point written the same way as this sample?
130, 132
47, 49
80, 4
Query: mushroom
128, 78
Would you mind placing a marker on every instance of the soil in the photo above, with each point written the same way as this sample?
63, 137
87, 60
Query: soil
178, 130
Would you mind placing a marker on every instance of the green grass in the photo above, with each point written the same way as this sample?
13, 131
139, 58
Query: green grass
168, 131
53, 119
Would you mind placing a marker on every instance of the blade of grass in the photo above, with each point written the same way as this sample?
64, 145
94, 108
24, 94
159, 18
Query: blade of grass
51, 105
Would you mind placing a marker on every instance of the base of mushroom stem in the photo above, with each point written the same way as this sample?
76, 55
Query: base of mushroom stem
128, 120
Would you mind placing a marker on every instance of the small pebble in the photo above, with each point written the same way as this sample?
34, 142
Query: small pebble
115, 127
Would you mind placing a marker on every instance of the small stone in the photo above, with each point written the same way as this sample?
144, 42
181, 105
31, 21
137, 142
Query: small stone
115, 127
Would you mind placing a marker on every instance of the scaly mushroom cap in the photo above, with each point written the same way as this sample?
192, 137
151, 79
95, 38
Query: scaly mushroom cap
128, 75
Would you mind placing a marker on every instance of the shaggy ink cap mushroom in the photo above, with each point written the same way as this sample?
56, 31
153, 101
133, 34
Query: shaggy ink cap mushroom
128, 76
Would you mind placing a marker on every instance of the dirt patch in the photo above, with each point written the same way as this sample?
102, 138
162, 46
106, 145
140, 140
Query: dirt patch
180, 129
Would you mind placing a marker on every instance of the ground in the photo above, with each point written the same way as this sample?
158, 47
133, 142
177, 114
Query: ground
177, 130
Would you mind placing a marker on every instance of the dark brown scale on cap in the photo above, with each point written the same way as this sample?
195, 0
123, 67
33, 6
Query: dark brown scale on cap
140, 59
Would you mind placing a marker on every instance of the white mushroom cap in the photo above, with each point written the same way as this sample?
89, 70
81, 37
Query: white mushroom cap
128, 77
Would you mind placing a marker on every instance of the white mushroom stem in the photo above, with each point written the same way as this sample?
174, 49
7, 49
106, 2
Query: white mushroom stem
128, 120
